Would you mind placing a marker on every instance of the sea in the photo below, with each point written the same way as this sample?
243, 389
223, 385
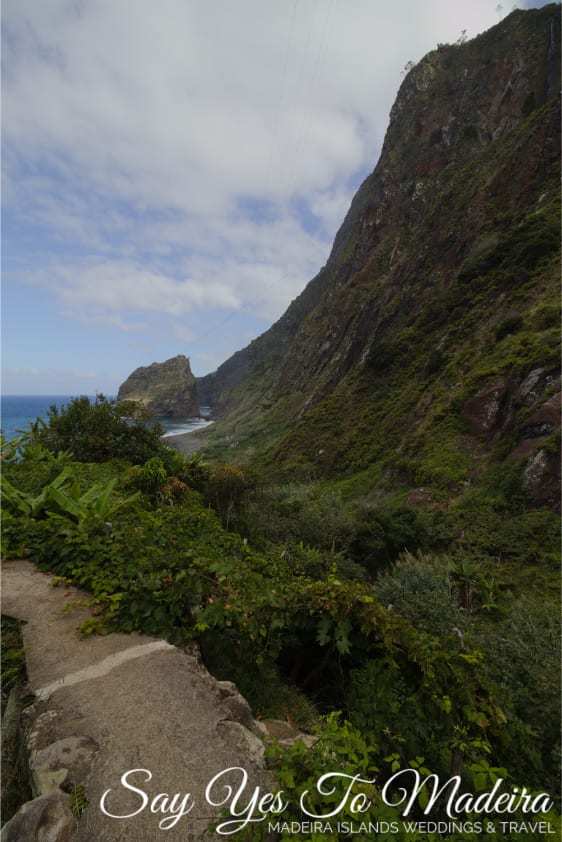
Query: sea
18, 411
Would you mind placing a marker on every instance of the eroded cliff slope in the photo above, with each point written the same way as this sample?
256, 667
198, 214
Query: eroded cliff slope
429, 341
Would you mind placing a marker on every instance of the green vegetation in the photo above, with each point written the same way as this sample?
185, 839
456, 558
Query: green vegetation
13, 659
15, 772
100, 432
430, 631
365, 550
79, 801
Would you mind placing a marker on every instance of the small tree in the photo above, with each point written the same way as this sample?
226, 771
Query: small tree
97, 432
227, 487
407, 67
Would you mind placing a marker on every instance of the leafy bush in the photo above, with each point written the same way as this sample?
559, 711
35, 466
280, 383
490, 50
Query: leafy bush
339, 748
148, 478
293, 615
510, 323
97, 432
383, 355
418, 587
13, 658
63, 499
521, 250
227, 488
293, 515
380, 534
529, 641
434, 362
15, 776
340, 760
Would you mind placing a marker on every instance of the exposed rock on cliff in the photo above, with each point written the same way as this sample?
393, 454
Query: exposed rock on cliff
416, 348
167, 390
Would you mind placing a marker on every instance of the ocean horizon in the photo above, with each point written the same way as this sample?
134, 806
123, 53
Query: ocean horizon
17, 412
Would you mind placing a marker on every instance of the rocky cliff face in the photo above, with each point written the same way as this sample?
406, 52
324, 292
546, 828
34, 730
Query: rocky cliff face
413, 346
167, 390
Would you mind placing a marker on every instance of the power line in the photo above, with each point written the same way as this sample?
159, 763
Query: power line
281, 96
310, 88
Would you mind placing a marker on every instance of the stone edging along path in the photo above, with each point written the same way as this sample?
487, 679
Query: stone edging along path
107, 705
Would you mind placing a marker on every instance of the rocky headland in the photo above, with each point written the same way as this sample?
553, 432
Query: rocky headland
166, 390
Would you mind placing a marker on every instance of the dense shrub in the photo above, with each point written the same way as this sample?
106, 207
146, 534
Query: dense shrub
98, 431
293, 613
529, 641
298, 514
511, 322
381, 533
382, 355
227, 489
419, 588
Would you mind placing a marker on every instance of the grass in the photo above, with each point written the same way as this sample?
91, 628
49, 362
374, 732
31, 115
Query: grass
15, 772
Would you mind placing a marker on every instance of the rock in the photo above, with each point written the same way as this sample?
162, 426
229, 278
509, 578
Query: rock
450, 108
235, 705
167, 390
41, 727
485, 411
531, 388
61, 765
279, 729
145, 703
242, 741
308, 739
286, 734
45, 819
240, 711
418, 497
543, 422
226, 688
541, 478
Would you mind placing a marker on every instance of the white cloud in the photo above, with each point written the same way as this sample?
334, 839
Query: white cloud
106, 320
142, 139
48, 373
184, 104
110, 286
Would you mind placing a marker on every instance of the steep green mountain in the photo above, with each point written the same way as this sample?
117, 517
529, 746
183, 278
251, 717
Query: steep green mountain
427, 348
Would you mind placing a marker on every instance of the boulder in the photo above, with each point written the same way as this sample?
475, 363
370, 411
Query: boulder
61, 765
485, 412
285, 733
543, 422
45, 819
541, 475
531, 388
541, 478
242, 741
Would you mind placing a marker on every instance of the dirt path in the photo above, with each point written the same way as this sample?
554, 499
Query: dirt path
141, 703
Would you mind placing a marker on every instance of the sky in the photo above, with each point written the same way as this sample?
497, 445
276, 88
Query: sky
174, 173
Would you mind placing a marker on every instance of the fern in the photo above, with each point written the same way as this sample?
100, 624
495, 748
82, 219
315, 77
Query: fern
78, 800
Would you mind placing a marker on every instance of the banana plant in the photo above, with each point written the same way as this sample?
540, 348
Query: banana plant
26, 447
62, 499
97, 502
29, 505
